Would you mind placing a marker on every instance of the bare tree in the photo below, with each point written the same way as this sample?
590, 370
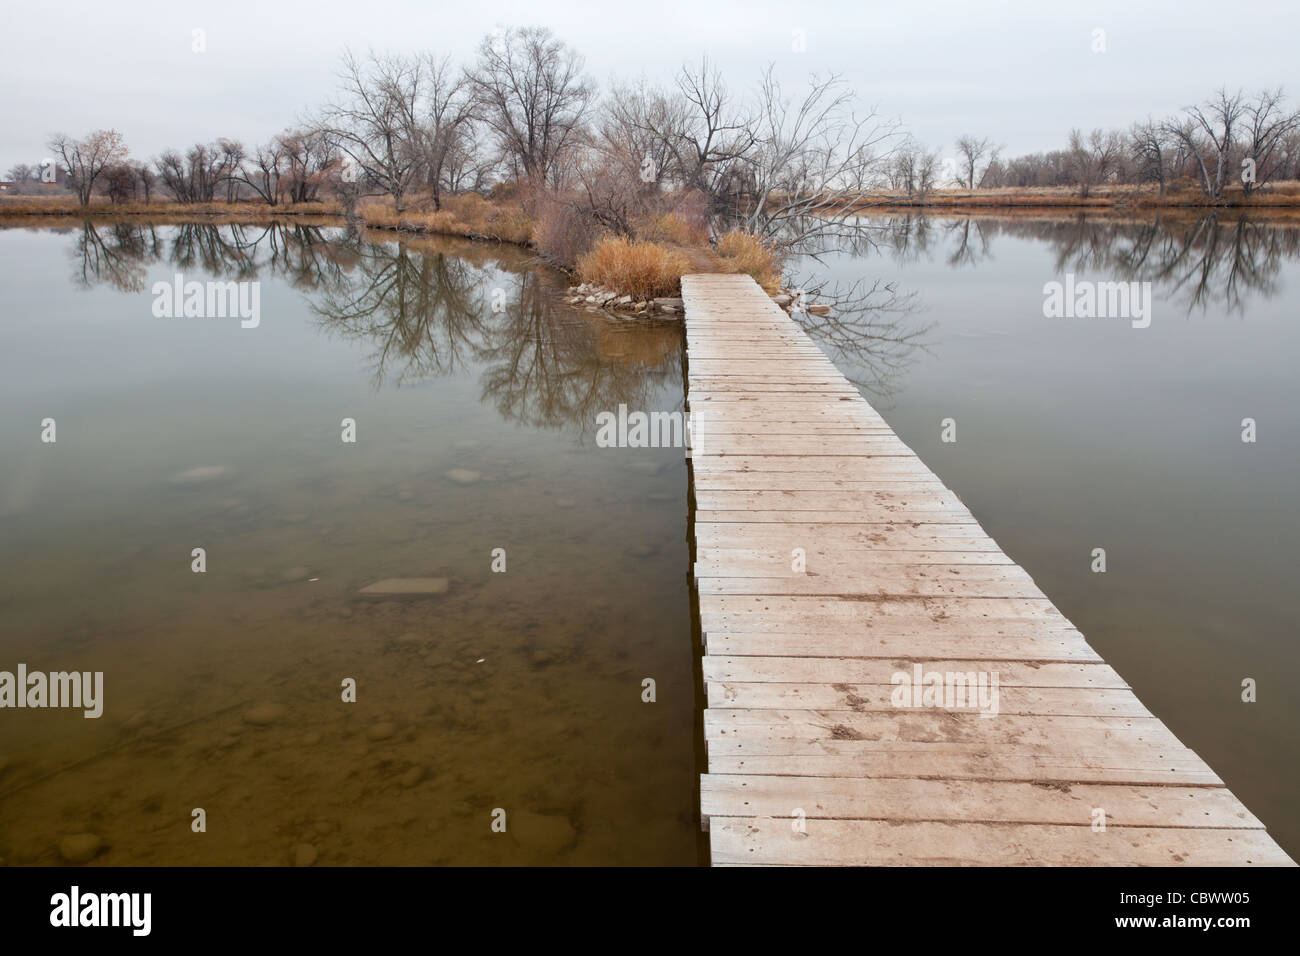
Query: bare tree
263, 171
468, 165
1093, 158
147, 178
310, 159
628, 161
378, 120
119, 182
927, 172
972, 152
914, 169
812, 160
1210, 128
715, 133
449, 111
1267, 127
205, 167
533, 97
649, 129
1150, 146
902, 171
86, 159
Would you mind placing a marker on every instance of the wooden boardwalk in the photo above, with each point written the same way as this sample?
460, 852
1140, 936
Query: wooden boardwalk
812, 758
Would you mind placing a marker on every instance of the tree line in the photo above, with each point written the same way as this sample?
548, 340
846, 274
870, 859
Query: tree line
524, 119
1231, 137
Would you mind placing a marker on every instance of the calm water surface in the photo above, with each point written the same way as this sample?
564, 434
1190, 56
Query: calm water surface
474, 391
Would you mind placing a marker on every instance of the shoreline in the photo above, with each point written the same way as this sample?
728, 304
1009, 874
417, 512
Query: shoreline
254, 213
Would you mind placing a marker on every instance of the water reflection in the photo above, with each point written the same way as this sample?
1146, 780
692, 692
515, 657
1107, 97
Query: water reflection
423, 314
519, 691
872, 332
1207, 261
435, 307
424, 308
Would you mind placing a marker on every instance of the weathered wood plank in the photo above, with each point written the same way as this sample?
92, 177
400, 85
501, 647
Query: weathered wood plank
1062, 766
872, 671
889, 536
833, 567
769, 562
760, 842
1002, 581
1006, 642
1054, 701
840, 798
729, 612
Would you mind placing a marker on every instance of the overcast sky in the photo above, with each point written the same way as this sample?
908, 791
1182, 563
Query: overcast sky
1021, 73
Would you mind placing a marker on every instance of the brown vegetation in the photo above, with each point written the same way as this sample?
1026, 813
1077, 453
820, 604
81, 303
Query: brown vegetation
1184, 193
743, 252
637, 268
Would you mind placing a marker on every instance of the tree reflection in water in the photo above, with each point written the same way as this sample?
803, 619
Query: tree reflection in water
436, 306
1204, 261
424, 307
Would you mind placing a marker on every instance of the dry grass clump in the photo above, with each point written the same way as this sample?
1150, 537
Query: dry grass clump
676, 229
640, 269
504, 219
470, 215
745, 252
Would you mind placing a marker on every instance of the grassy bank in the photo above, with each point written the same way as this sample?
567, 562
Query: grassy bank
649, 265
1274, 196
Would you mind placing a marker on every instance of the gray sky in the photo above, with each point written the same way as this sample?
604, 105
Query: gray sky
1020, 72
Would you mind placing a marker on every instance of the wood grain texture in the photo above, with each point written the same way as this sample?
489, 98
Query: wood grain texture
885, 686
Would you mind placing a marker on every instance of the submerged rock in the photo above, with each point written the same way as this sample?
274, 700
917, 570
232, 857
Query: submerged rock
462, 476
304, 854
408, 588
412, 776
80, 847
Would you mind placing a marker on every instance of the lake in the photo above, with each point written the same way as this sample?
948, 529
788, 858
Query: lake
473, 391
